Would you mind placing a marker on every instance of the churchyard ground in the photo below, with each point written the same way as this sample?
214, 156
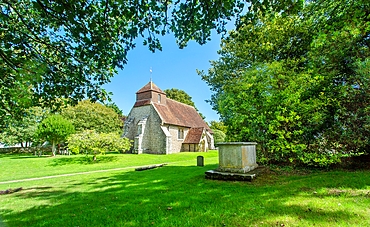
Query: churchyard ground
176, 194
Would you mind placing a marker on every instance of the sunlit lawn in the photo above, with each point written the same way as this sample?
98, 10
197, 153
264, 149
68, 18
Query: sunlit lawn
14, 167
177, 195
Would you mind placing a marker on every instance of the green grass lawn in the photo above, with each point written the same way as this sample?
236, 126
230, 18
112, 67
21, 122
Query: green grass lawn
176, 195
14, 167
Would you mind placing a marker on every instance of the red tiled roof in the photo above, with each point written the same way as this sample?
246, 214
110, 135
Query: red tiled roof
194, 135
142, 102
150, 87
177, 113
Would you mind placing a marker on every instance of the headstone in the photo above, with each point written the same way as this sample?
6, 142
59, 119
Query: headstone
200, 161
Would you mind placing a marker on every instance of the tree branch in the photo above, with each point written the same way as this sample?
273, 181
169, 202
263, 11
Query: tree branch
8, 61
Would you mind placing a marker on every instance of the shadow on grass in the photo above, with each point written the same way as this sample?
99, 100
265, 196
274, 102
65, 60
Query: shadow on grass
31, 156
181, 196
86, 160
22, 156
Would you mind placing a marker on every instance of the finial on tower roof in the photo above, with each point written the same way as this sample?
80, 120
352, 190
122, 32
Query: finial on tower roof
151, 72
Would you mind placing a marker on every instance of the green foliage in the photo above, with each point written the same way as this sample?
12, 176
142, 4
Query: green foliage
114, 106
91, 142
218, 136
54, 129
219, 131
59, 49
23, 130
218, 125
179, 95
297, 83
87, 115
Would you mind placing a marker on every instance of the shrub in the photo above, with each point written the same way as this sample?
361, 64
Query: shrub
219, 136
91, 142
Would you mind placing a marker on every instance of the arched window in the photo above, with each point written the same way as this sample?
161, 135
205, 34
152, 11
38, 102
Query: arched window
159, 98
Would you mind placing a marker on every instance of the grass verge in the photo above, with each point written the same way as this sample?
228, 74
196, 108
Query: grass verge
178, 195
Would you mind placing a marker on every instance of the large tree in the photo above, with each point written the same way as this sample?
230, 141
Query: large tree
298, 82
68, 49
180, 96
23, 130
93, 116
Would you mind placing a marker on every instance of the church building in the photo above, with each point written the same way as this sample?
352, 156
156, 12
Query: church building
160, 125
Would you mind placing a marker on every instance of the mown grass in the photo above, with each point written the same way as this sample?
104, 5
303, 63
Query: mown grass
179, 195
14, 167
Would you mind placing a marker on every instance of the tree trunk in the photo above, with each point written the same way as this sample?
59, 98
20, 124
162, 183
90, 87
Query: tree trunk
54, 149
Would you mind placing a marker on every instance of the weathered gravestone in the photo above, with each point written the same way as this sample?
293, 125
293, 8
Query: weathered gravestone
200, 161
236, 160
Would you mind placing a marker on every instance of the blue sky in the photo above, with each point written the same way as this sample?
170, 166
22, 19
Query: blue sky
172, 68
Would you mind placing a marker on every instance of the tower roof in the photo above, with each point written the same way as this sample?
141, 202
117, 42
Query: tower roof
150, 87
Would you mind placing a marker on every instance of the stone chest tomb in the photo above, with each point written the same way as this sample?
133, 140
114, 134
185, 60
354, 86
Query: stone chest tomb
236, 160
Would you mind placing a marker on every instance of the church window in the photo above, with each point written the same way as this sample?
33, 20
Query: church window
180, 134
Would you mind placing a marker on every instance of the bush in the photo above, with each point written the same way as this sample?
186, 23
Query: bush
91, 142
218, 136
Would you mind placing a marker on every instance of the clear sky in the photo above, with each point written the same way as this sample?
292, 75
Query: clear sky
171, 68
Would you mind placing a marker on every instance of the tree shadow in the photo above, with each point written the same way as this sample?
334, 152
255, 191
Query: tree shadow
31, 156
87, 160
22, 156
181, 196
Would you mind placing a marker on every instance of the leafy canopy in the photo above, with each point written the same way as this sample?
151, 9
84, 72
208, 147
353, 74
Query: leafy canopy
114, 106
297, 83
93, 116
69, 49
218, 136
180, 96
218, 125
23, 130
55, 129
